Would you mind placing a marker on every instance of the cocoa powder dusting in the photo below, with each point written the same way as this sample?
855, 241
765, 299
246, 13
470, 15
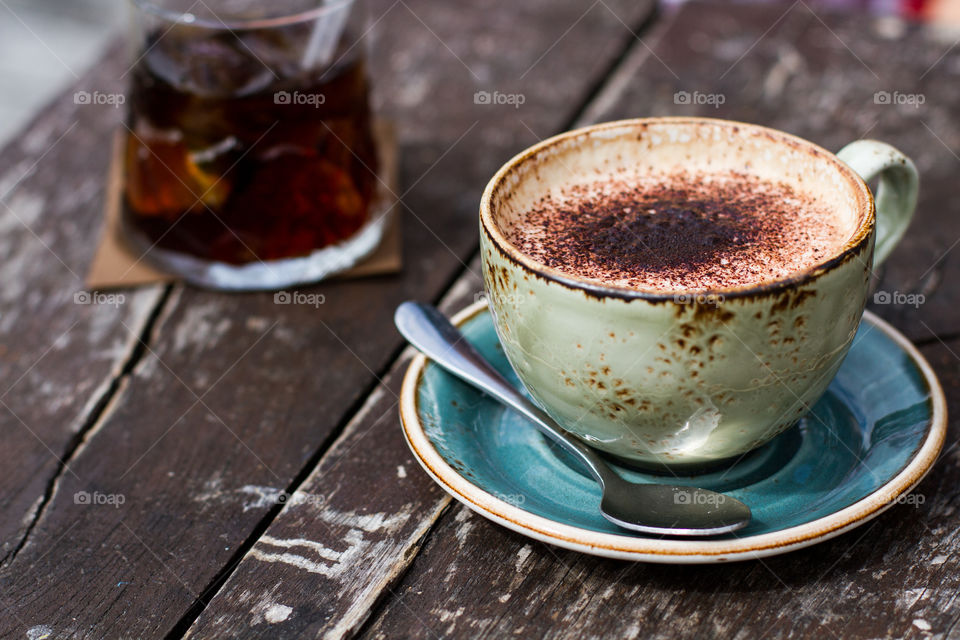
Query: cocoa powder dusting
679, 232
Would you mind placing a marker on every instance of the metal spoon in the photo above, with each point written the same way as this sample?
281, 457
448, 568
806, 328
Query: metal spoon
650, 508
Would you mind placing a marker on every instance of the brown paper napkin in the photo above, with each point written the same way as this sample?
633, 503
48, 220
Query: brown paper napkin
116, 264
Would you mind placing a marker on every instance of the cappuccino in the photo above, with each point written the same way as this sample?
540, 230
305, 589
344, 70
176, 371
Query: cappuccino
679, 232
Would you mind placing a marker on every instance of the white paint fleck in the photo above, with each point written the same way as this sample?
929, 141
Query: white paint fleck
316, 547
261, 497
39, 632
522, 556
24, 210
910, 597
340, 561
316, 557
921, 624
202, 327
464, 526
266, 610
412, 93
277, 613
212, 488
15, 175
939, 560
257, 323
368, 522
504, 598
254, 496
446, 615
401, 471
451, 571
43, 134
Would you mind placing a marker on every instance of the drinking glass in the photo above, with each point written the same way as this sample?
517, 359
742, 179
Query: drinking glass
249, 157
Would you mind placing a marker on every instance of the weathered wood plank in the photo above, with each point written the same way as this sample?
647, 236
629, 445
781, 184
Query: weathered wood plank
236, 395
817, 75
345, 536
894, 577
59, 357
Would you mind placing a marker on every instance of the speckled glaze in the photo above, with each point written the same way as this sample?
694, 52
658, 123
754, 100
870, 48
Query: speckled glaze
865, 444
686, 379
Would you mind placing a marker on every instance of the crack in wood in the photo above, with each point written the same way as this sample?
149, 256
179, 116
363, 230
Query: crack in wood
183, 625
97, 411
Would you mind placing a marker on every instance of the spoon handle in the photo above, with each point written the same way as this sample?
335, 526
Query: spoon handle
429, 331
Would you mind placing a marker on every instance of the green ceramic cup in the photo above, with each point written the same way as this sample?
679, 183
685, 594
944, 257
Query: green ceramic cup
688, 379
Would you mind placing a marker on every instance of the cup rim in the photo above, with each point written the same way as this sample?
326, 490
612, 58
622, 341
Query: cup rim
184, 18
853, 245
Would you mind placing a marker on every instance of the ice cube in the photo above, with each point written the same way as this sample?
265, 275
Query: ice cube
208, 63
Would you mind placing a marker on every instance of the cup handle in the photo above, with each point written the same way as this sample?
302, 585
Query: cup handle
896, 197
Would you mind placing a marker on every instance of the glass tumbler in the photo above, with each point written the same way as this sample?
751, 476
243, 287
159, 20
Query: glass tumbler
249, 159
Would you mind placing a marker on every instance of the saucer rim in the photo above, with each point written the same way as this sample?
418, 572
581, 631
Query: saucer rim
673, 551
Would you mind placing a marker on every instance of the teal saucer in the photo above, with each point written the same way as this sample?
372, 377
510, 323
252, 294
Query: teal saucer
862, 448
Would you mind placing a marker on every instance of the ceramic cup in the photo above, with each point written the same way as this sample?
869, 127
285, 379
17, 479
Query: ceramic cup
688, 378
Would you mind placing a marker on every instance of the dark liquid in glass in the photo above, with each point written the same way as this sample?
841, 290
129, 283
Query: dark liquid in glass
237, 153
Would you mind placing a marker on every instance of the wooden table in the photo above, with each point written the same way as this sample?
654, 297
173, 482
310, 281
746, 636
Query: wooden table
257, 479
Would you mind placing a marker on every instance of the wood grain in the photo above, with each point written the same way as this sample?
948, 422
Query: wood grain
62, 349
346, 535
235, 397
894, 577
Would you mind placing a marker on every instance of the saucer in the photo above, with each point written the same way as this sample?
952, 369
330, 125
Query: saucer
863, 447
